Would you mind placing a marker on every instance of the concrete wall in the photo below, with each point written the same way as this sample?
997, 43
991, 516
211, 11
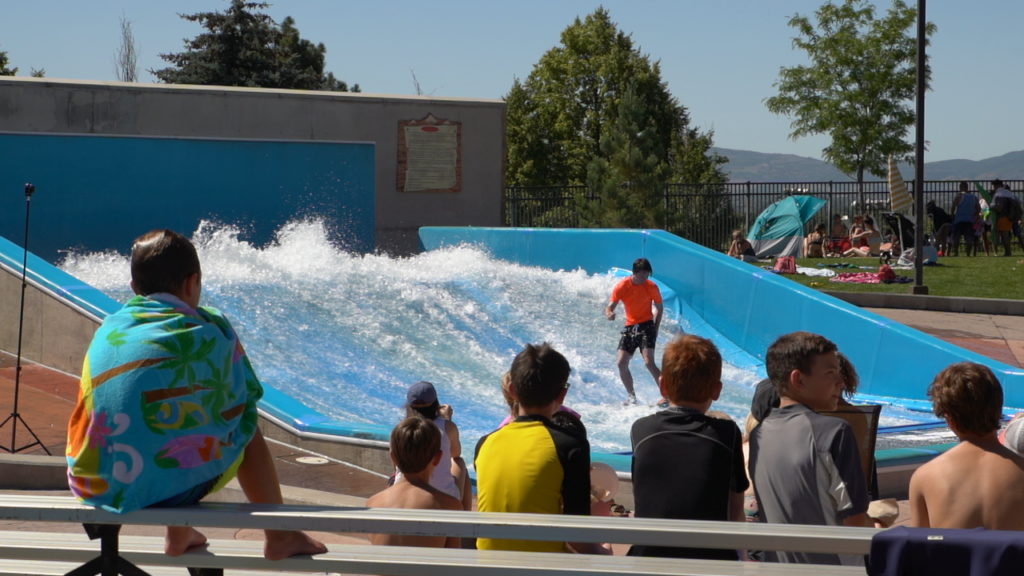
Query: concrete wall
40, 105
55, 334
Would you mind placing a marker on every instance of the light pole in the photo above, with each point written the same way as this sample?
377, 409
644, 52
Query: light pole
922, 73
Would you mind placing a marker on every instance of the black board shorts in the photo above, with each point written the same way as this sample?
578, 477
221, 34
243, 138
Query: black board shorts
188, 497
642, 336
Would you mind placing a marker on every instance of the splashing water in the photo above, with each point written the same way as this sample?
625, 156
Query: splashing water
346, 334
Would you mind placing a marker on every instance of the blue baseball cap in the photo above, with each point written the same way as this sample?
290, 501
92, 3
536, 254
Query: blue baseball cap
421, 394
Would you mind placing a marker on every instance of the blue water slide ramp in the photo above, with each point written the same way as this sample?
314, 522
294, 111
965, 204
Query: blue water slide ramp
692, 323
749, 307
56, 282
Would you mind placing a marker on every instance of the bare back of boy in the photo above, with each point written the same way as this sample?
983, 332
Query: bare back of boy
972, 485
418, 496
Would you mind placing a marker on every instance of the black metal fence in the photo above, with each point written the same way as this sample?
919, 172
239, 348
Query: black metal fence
707, 214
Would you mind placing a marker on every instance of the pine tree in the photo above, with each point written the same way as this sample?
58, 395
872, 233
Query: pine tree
245, 47
629, 176
4, 70
594, 110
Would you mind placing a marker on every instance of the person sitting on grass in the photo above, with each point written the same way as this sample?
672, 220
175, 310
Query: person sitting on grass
866, 241
741, 248
415, 450
977, 483
688, 465
839, 239
166, 411
814, 243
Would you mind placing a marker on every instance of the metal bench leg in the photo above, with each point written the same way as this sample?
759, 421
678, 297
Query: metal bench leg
109, 562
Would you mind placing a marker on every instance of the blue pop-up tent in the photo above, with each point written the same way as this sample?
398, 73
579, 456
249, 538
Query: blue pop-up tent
779, 229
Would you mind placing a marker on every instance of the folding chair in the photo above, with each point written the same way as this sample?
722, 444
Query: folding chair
863, 419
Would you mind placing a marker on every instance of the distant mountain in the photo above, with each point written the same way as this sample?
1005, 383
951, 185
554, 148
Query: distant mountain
745, 166
1008, 167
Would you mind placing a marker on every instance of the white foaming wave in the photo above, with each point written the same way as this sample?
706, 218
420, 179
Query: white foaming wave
303, 248
301, 251
107, 271
346, 334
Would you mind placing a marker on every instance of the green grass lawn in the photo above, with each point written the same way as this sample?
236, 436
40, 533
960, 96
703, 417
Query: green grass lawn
973, 277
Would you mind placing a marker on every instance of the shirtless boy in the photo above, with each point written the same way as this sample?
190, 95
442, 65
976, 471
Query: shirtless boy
978, 482
415, 451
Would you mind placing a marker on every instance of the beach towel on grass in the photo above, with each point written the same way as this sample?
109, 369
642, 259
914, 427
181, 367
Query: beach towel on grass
167, 402
868, 278
822, 272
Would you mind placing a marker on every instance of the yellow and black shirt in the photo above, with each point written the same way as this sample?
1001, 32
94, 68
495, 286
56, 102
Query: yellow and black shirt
532, 466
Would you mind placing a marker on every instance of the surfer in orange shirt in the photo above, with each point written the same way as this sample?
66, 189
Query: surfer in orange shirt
637, 294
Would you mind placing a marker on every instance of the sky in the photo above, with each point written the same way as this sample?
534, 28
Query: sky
720, 59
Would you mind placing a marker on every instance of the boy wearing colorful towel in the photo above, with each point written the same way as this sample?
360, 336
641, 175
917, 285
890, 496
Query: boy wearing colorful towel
416, 452
166, 410
977, 483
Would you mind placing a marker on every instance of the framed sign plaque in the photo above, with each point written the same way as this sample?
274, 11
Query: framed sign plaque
429, 155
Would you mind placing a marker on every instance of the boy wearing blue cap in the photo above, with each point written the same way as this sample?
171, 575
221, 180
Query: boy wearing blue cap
451, 475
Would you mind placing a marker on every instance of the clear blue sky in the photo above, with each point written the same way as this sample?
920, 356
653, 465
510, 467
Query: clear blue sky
720, 59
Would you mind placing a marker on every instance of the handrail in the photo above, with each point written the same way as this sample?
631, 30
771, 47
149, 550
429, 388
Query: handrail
563, 528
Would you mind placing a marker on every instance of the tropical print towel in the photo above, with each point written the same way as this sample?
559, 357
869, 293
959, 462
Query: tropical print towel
167, 402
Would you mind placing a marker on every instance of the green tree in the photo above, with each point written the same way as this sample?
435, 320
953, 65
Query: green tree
245, 47
4, 70
629, 176
700, 198
859, 85
565, 122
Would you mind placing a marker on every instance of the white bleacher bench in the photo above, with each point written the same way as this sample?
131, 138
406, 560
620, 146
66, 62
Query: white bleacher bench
77, 549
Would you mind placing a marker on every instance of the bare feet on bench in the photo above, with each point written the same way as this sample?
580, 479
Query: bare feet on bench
284, 544
181, 539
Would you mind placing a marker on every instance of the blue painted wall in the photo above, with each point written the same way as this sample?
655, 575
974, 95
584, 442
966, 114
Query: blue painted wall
100, 192
749, 306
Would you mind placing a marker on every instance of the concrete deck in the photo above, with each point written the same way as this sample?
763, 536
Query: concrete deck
1000, 337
